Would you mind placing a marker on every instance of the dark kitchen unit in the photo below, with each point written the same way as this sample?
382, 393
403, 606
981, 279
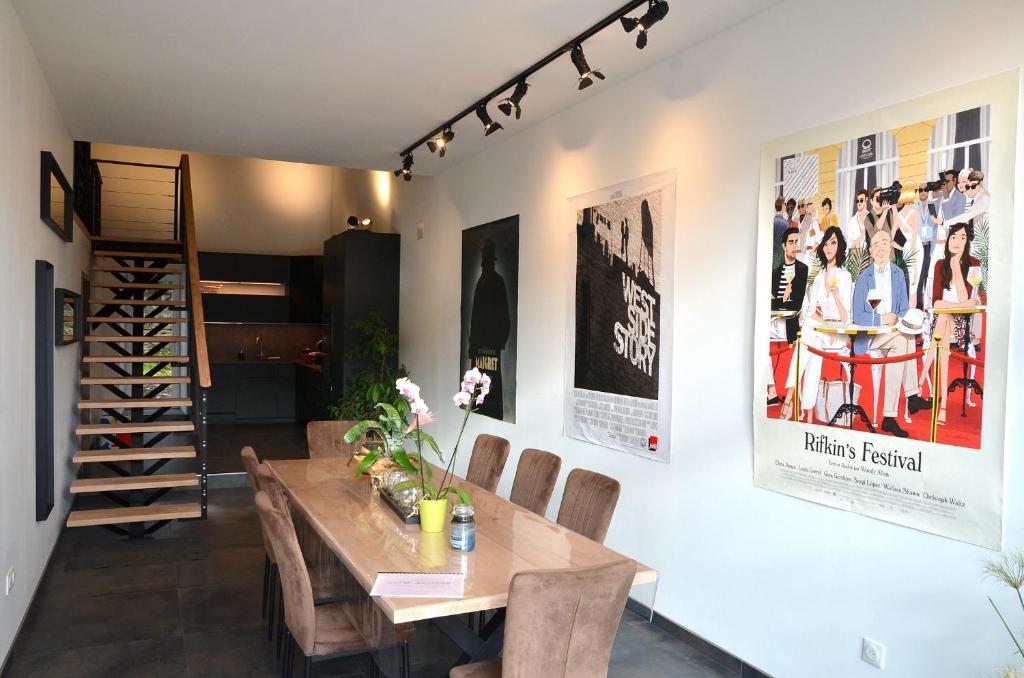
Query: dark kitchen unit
361, 276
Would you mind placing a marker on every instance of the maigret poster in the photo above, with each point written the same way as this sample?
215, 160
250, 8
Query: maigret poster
490, 289
882, 317
620, 331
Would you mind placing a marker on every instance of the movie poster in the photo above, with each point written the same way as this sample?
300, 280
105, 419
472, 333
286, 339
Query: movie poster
620, 329
882, 317
490, 299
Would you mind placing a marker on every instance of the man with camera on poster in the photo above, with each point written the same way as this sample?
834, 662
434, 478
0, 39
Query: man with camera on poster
927, 207
886, 284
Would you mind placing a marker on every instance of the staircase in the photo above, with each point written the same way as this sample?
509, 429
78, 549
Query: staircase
145, 373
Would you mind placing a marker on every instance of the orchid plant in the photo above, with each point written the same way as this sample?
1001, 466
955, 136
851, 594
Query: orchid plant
475, 387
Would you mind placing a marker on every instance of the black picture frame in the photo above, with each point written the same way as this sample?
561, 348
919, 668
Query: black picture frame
45, 318
69, 323
51, 179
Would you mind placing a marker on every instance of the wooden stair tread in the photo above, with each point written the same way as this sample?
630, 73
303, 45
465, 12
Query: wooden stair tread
129, 404
115, 359
115, 254
118, 268
134, 454
122, 483
138, 286
150, 427
100, 381
127, 339
177, 303
136, 321
134, 514
121, 238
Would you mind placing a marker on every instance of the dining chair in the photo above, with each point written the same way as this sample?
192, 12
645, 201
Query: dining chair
319, 631
588, 503
327, 439
559, 624
251, 464
487, 461
536, 475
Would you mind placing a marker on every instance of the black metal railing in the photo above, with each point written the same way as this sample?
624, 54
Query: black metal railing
133, 199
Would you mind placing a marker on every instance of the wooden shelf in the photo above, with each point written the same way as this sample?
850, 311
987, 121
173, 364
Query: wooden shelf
134, 514
114, 254
121, 339
151, 427
100, 381
124, 483
176, 303
126, 404
134, 454
114, 359
118, 320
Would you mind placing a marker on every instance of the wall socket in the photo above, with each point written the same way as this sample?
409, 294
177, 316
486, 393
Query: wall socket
9, 581
873, 652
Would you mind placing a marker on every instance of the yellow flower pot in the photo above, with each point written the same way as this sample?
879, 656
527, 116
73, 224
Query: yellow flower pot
432, 514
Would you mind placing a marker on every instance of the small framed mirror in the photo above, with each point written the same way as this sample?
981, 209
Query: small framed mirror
69, 321
56, 199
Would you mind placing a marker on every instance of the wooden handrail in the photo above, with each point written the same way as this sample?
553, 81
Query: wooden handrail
195, 293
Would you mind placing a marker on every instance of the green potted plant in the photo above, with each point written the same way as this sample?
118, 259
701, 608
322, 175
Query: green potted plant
1009, 571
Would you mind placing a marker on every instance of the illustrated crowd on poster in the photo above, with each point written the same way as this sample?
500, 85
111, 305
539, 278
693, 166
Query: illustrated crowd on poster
880, 250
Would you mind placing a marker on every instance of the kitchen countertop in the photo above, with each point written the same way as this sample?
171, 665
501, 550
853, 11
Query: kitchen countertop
281, 361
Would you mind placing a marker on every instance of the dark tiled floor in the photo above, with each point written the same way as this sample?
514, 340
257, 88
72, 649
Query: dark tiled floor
271, 441
186, 604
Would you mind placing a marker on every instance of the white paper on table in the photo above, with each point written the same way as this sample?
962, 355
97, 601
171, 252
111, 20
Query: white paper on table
419, 584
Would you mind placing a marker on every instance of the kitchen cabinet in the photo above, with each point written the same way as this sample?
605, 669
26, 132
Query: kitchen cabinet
303, 276
253, 391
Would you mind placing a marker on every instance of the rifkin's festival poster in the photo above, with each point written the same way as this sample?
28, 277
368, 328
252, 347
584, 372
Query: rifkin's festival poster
620, 299
490, 298
882, 316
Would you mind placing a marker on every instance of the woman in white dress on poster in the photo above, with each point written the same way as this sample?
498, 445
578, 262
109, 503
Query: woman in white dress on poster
810, 234
828, 300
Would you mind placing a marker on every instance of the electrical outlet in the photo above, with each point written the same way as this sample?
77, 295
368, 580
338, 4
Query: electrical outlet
873, 652
9, 581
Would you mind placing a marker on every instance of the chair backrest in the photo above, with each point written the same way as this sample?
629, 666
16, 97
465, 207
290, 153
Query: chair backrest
251, 463
268, 483
563, 622
327, 439
536, 475
588, 503
291, 567
487, 461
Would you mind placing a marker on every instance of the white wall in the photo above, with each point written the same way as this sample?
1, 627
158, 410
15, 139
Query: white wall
29, 123
787, 585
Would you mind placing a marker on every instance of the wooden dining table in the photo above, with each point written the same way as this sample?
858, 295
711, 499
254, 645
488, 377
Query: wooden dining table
349, 516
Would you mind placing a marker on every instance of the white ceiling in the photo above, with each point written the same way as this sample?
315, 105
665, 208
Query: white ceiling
337, 82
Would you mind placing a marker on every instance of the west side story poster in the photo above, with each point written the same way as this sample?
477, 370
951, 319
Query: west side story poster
490, 299
891, 268
618, 391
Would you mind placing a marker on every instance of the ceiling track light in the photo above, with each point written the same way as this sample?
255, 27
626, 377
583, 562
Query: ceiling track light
439, 139
406, 171
490, 127
656, 11
587, 74
511, 103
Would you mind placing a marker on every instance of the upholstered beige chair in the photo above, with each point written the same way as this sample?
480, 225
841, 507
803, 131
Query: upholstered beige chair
588, 503
560, 624
487, 461
536, 475
327, 439
252, 464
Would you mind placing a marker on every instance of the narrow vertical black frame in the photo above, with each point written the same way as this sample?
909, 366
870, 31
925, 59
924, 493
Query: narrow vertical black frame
60, 297
45, 329
65, 228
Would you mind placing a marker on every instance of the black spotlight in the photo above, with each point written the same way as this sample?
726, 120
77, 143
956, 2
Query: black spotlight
406, 171
656, 11
580, 62
489, 125
359, 224
441, 141
511, 103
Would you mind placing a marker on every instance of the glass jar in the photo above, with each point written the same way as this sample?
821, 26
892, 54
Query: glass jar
463, 528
